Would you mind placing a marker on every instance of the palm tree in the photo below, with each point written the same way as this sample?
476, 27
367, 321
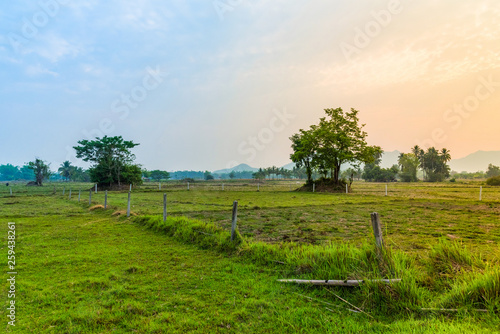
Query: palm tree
66, 170
445, 155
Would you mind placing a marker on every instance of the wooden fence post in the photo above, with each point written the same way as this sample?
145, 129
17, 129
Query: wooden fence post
377, 229
314, 187
106, 199
346, 188
128, 204
79, 194
159, 186
188, 185
90, 197
234, 219
69, 194
164, 207
481, 193
96, 188
386, 190
130, 189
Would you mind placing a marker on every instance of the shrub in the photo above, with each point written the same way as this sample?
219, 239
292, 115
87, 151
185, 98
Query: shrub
493, 181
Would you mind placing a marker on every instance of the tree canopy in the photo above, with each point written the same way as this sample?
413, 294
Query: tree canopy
41, 170
336, 140
112, 160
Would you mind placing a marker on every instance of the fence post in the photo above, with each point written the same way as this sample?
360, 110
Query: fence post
64, 190
377, 229
258, 186
69, 198
188, 185
159, 186
128, 204
223, 187
481, 193
79, 194
106, 199
90, 197
130, 189
95, 188
314, 187
346, 188
234, 219
164, 207
386, 190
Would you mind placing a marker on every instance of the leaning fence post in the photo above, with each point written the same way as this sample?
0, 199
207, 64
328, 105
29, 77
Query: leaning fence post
90, 197
106, 199
164, 207
377, 229
235, 218
128, 204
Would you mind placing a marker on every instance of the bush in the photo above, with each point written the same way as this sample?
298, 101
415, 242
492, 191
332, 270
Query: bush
493, 181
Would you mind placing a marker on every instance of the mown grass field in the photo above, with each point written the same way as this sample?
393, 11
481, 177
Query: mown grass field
84, 271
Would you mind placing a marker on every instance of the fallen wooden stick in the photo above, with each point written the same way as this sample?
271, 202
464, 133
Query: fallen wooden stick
338, 282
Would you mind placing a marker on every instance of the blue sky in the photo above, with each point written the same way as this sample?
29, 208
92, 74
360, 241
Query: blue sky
209, 84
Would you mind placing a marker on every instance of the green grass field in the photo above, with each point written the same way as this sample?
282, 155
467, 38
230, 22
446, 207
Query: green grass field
94, 271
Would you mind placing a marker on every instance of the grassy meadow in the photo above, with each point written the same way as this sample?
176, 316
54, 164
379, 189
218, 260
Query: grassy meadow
84, 269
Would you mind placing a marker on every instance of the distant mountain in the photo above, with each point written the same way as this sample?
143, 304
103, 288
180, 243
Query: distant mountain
477, 161
289, 166
239, 168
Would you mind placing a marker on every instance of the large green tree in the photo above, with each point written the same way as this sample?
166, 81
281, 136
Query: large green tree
304, 150
112, 160
40, 169
337, 139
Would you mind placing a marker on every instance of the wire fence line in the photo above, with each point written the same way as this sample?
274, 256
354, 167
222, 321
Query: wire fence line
458, 191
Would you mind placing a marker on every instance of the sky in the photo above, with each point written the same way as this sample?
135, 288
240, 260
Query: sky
206, 85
